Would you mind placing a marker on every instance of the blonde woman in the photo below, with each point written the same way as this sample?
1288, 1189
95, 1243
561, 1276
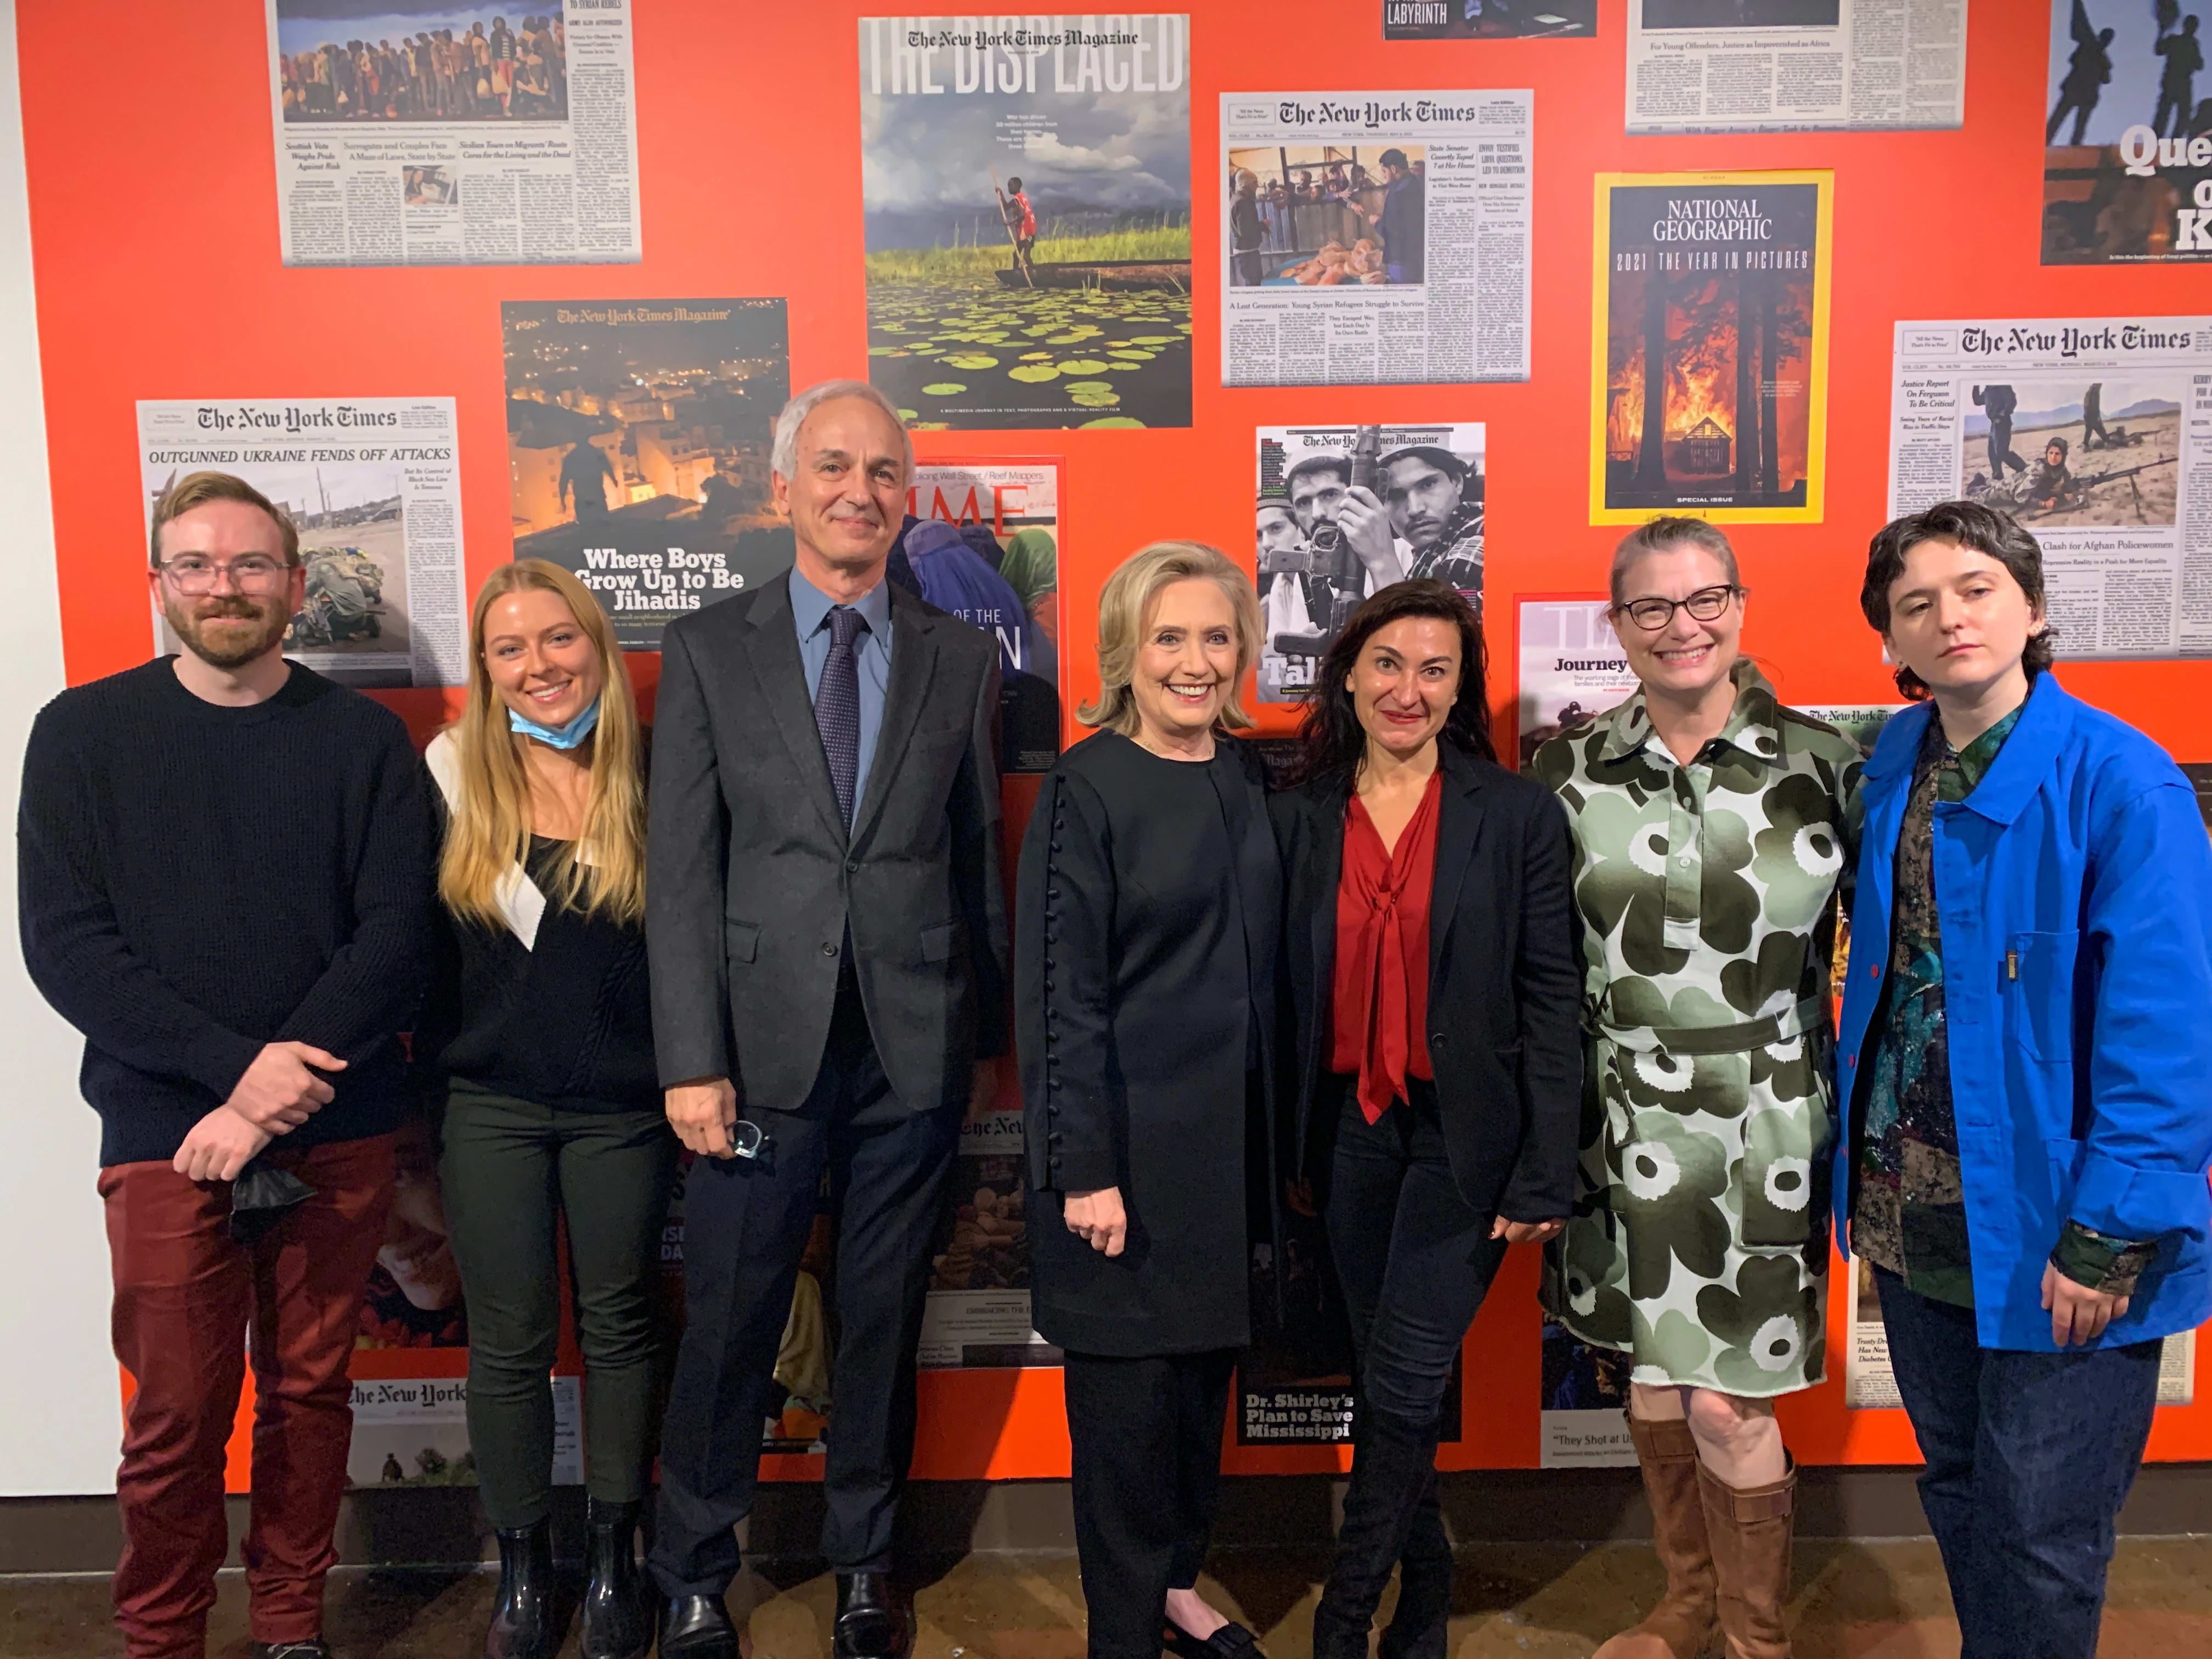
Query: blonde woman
1145, 968
538, 1038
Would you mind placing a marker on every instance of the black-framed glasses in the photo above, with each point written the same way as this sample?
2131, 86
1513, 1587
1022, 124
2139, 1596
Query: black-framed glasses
252, 574
1706, 604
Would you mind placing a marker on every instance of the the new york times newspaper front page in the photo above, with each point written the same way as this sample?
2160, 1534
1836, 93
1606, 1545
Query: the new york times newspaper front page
445, 132
1795, 65
2096, 433
1374, 238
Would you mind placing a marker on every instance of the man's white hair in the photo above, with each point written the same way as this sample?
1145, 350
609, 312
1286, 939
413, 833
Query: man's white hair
784, 459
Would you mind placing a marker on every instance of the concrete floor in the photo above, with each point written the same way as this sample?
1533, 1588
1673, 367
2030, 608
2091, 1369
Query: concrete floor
1883, 1601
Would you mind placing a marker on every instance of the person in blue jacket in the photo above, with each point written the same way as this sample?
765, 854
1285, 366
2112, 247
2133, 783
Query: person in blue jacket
2027, 1055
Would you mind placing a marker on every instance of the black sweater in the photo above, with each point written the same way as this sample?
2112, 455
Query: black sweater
196, 881
566, 1022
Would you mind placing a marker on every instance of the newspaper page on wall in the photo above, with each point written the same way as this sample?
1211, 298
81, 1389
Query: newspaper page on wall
2097, 434
977, 1312
1375, 238
1569, 668
638, 434
1347, 510
1025, 210
2127, 152
432, 132
1500, 20
374, 486
1870, 1382
1709, 352
1795, 65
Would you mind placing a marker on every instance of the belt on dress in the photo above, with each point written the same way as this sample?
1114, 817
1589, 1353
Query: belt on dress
1811, 1014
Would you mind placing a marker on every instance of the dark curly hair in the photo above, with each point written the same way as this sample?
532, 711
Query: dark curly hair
1331, 740
1986, 530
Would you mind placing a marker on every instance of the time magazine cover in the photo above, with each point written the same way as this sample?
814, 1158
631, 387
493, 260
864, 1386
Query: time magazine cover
1711, 346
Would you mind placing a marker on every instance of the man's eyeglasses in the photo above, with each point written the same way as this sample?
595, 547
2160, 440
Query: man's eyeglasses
1706, 604
250, 574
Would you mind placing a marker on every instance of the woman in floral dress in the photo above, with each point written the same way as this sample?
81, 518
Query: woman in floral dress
1711, 826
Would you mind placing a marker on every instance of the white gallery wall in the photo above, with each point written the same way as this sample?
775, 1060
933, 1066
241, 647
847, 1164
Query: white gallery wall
60, 1407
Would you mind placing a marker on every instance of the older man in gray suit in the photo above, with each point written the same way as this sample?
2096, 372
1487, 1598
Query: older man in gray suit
826, 928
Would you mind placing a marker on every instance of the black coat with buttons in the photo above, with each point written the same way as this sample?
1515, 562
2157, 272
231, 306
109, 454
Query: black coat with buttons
1144, 962
1505, 984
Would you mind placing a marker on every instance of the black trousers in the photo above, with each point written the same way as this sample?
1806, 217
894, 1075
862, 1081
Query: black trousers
510, 1168
746, 1223
1146, 1441
1414, 1259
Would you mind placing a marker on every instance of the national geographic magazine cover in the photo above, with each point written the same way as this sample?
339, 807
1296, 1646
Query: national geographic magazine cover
1026, 189
1709, 347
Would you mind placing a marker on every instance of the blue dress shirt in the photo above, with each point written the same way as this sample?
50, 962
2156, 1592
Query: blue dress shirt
872, 657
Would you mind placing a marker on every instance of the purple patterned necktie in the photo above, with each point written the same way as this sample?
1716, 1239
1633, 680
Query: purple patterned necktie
837, 706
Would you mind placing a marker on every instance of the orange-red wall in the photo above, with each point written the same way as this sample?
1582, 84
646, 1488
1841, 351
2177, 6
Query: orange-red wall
154, 223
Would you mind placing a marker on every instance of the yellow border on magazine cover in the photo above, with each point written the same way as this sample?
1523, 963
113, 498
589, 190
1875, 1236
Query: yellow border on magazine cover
1816, 443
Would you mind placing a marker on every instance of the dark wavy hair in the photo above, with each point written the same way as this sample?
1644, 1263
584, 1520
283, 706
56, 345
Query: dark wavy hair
1332, 742
1986, 530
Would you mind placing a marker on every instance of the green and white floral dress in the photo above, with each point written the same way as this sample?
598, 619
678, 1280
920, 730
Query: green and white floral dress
1699, 1241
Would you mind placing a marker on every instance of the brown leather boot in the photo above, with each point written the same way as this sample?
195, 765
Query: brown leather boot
1682, 1624
1750, 1527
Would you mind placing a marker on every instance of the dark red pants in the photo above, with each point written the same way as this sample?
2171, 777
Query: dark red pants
189, 1304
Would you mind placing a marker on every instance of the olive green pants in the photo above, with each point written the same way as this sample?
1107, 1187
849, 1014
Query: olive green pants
509, 1170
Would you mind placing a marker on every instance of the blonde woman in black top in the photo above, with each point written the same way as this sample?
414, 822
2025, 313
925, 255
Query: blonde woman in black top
539, 1039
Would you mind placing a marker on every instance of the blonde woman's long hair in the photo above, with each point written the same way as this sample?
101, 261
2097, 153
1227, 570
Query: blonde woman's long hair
1129, 593
489, 831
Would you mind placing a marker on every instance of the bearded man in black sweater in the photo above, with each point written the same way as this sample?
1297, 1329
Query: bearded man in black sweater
225, 881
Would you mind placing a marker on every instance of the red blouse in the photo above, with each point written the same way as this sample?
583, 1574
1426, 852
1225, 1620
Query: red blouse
1382, 992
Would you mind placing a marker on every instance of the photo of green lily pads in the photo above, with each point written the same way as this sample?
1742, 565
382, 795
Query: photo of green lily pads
1028, 229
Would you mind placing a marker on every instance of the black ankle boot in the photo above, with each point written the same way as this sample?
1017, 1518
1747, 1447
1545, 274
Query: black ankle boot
616, 1622
522, 1616
1420, 1624
1391, 1470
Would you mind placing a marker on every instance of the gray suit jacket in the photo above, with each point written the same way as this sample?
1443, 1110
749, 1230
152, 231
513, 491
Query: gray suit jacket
752, 880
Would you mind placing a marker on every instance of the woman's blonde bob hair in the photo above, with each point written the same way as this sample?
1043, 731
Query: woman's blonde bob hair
489, 831
1128, 596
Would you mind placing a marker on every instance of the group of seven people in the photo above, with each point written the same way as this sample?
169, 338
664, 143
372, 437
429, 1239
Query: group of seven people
1457, 1008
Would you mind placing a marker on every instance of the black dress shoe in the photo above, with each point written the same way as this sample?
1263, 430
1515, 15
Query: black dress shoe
1232, 1641
872, 1622
696, 1627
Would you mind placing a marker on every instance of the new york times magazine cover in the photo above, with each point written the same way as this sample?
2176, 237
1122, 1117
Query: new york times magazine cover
1711, 346
637, 440
1026, 194
2127, 157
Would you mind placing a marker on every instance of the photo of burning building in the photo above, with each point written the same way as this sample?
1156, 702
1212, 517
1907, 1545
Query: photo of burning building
1711, 346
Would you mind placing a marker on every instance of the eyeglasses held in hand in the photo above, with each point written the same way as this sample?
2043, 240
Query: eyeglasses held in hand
1706, 604
250, 574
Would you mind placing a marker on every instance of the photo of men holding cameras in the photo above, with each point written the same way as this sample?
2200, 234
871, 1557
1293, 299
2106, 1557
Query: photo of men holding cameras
1343, 511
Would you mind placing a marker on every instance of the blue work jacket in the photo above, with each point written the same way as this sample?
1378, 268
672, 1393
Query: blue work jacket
2075, 889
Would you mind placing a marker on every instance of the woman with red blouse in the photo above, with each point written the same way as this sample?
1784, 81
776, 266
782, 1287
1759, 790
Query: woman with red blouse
1436, 1060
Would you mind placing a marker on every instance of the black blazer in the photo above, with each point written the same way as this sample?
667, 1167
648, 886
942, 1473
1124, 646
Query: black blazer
753, 881
1504, 983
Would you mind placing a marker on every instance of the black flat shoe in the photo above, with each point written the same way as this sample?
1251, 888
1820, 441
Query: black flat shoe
872, 1622
1232, 1641
696, 1627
